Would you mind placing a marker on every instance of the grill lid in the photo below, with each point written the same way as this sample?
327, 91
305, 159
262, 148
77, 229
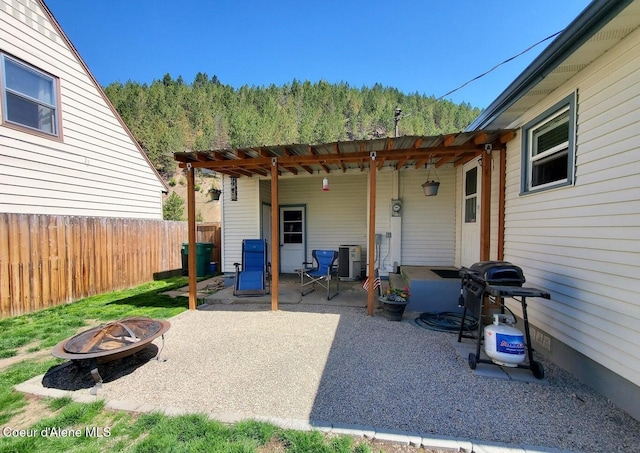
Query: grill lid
497, 273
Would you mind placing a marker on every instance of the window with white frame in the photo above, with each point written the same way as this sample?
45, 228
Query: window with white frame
549, 148
29, 97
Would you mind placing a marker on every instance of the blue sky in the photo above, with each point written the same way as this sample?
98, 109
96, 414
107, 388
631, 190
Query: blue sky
424, 46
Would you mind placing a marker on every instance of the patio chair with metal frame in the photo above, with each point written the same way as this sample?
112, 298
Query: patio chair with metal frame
252, 275
326, 270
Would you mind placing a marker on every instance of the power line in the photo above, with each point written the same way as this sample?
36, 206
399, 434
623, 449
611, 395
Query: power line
398, 117
499, 64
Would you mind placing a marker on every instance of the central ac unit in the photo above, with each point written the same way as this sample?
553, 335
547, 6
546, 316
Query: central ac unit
349, 262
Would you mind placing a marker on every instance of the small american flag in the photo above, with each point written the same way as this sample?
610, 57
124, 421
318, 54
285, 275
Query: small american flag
376, 283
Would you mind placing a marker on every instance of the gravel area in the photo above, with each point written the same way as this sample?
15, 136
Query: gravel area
335, 364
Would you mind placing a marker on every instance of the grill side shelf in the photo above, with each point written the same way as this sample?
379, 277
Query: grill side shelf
519, 291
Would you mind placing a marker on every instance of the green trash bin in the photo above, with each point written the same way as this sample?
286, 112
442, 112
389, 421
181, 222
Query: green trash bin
203, 258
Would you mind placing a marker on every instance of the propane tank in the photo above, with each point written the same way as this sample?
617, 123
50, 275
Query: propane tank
503, 343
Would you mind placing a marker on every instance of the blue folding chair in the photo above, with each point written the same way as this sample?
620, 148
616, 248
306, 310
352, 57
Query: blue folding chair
326, 270
252, 275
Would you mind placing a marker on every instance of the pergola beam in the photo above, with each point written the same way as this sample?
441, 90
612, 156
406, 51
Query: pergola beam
326, 159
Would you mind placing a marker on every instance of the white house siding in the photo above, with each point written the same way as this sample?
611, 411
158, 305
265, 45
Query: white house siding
428, 223
582, 243
333, 218
96, 169
240, 219
265, 191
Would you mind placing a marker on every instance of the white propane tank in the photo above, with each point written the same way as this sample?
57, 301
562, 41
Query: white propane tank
503, 343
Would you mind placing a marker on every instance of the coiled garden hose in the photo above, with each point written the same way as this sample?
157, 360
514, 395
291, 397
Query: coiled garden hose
446, 321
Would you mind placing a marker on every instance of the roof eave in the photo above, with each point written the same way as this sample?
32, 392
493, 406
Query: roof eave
592, 19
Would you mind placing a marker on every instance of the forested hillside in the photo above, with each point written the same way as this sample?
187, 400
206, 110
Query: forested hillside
170, 115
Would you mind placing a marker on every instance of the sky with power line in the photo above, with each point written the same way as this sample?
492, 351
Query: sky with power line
428, 47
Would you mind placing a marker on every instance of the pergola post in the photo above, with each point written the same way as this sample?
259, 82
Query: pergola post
501, 200
485, 205
372, 232
191, 225
275, 236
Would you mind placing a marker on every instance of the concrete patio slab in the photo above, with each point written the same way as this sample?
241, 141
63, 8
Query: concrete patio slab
321, 366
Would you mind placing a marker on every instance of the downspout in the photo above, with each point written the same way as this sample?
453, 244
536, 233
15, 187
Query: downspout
191, 225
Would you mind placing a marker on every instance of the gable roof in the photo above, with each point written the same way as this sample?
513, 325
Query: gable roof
67, 41
599, 27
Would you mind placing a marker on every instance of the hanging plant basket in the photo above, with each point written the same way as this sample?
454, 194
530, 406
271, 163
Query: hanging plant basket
215, 194
431, 188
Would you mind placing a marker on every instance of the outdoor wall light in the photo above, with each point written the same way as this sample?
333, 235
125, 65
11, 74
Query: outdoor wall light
325, 184
234, 188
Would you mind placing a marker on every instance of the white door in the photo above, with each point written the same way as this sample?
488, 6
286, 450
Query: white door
470, 245
292, 238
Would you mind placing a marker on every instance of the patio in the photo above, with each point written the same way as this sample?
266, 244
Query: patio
326, 365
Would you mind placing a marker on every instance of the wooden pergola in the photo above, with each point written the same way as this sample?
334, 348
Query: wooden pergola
370, 155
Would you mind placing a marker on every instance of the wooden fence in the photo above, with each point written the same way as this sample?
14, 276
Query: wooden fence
51, 260
210, 232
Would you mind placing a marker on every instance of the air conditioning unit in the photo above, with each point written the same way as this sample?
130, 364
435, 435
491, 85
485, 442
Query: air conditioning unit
349, 259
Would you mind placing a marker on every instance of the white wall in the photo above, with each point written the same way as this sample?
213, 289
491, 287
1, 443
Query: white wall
240, 219
428, 223
425, 232
582, 242
333, 218
96, 169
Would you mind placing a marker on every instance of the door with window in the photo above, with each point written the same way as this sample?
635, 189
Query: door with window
292, 238
470, 245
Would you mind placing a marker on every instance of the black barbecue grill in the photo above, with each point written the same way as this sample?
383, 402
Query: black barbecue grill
499, 279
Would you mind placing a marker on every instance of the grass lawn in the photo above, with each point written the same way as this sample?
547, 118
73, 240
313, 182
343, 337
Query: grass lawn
62, 425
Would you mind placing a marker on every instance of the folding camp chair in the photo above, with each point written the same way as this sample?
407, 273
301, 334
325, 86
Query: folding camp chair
252, 274
322, 274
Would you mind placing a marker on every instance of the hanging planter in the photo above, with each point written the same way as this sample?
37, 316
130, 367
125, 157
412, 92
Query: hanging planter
430, 187
215, 194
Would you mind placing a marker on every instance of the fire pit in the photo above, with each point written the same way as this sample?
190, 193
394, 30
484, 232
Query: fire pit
110, 341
